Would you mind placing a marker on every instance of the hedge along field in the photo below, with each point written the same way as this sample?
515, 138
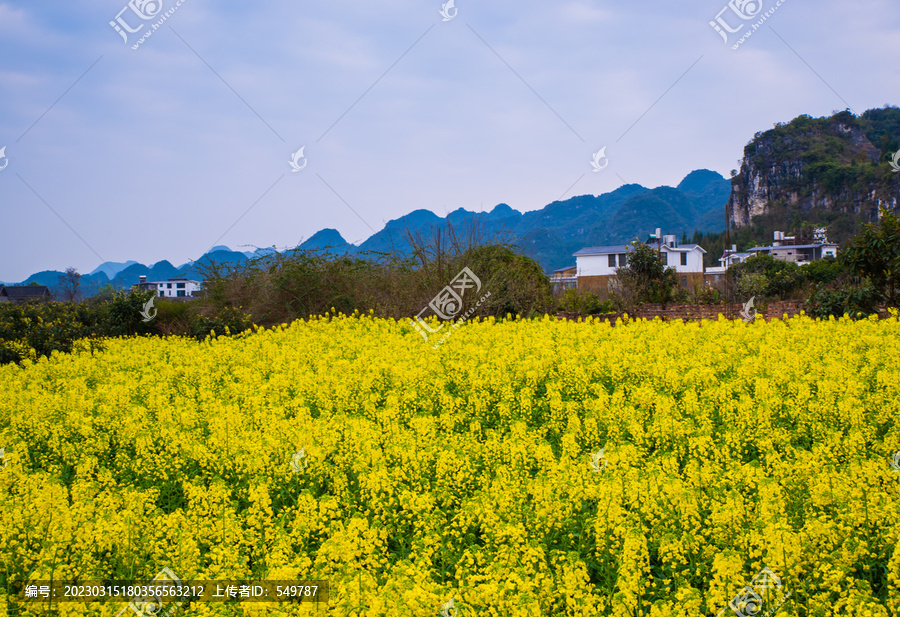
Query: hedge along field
523, 468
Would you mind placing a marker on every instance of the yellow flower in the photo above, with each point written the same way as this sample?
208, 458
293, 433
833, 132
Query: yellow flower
465, 472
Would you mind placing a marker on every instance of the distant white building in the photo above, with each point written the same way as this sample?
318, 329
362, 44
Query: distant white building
564, 278
596, 265
728, 259
171, 288
784, 249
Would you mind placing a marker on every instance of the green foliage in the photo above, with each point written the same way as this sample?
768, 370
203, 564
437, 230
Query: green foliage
882, 128
824, 270
854, 300
122, 313
37, 329
645, 279
752, 284
832, 176
172, 311
875, 254
583, 302
705, 293
517, 284
281, 288
839, 226
228, 322
296, 284
774, 279
292, 285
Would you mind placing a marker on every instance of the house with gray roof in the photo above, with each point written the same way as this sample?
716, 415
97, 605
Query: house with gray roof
728, 259
798, 253
564, 278
170, 288
596, 265
24, 293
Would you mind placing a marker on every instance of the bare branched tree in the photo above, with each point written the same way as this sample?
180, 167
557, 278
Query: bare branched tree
70, 285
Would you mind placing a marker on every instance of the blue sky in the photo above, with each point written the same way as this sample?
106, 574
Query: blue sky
115, 153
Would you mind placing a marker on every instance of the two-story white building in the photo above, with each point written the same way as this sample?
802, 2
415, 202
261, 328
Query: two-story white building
784, 248
170, 288
798, 253
596, 265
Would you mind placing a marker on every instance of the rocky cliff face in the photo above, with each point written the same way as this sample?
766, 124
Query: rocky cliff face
816, 169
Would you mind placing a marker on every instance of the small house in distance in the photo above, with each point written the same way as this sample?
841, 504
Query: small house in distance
784, 248
564, 278
728, 259
596, 265
170, 288
24, 293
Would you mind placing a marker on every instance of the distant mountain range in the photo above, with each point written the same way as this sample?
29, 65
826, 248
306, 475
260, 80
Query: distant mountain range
552, 234
833, 172
549, 235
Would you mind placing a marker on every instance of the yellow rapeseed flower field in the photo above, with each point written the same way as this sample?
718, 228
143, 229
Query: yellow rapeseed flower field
522, 468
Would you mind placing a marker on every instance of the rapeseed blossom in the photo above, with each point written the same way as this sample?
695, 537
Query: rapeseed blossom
523, 468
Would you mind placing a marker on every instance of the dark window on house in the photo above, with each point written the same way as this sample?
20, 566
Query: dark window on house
170, 285
179, 285
181, 292
684, 259
623, 259
664, 256
612, 261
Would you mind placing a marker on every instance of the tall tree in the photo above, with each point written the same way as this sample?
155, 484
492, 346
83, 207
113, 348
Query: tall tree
645, 275
70, 285
875, 254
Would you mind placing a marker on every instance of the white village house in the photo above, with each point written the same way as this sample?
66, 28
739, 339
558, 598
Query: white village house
596, 265
170, 288
728, 259
783, 248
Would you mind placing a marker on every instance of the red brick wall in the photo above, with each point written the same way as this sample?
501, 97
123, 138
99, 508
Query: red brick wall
696, 312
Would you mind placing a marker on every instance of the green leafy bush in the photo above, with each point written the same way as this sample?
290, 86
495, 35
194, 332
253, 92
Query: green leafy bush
824, 270
855, 301
35, 329
583, 302
752, 284
875, 255
773, 279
